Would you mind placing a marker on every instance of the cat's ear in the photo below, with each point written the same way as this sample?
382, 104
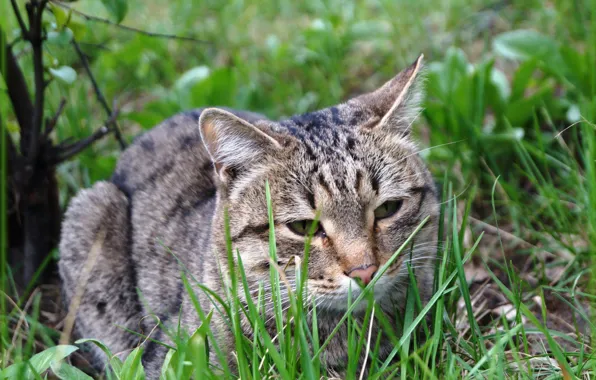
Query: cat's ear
398, 102
233, 143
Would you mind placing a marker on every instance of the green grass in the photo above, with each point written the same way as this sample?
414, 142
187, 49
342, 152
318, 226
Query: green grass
509, 127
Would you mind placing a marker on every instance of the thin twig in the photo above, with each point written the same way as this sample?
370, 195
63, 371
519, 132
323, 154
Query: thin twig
99, 95
67, 151
20, 20
100, 46
22, 319
51, 123
498, 231
129, 28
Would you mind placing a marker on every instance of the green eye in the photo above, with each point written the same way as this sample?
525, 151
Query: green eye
302, 227
387, 209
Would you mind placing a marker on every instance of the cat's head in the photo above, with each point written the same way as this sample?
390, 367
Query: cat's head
355, 164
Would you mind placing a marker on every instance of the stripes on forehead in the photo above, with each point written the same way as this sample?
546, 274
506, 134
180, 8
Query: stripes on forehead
338, 180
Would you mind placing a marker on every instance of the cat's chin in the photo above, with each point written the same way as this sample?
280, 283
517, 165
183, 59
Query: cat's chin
339, 301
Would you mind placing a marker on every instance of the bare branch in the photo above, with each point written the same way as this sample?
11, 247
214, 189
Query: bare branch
17, 89
66, 151
35, 13
51, 123
75, 148
17, 14
99, 46
130, 28
99, 95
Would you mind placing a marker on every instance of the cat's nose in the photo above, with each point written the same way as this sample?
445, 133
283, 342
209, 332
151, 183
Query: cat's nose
364, 273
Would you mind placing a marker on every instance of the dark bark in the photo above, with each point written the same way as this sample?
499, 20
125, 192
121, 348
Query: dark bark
41, 222
33, 202
17, 89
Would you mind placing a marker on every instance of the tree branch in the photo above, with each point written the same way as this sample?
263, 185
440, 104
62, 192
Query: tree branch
51, 123
129, 28
17, 14
99, 95
66, 151
17, 89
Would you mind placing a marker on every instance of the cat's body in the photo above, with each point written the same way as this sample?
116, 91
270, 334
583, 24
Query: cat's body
162, 213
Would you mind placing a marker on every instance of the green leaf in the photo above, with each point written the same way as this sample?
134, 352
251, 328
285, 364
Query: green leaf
78, 28
191, 77
61, 16
64, 73
580, 72
166, 365
524, 45
99, 344
499, 80
14, 370
39, 362
199, 348
114, 361
520, 111
60, 37
132, 369
209, 90
67, 372
445, 77
522, 78
178, 368
116, 8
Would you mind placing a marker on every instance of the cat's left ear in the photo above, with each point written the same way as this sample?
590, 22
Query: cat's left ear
398, 102
233, 143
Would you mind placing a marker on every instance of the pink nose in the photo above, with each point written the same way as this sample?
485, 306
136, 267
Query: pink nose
364, 273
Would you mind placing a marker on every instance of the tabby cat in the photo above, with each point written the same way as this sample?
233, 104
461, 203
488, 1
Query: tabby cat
127, 240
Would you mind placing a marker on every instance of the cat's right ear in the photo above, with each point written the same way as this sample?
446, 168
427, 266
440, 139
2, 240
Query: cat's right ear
233, 143
398, 102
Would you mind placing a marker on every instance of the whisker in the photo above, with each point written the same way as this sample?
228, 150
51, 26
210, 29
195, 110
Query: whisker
427, 149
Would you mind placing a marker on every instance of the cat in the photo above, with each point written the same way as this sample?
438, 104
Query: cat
124, 241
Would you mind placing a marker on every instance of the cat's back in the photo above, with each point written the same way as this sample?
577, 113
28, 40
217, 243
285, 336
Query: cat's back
173, 149
159, 152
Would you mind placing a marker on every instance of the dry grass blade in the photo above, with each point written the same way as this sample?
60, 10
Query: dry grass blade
75, 302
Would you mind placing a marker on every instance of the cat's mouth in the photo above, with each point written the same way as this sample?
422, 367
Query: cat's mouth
347, 292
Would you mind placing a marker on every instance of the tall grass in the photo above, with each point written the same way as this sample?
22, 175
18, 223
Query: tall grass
430, 343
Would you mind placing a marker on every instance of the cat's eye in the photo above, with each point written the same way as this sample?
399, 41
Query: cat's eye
388, 209
303, 227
